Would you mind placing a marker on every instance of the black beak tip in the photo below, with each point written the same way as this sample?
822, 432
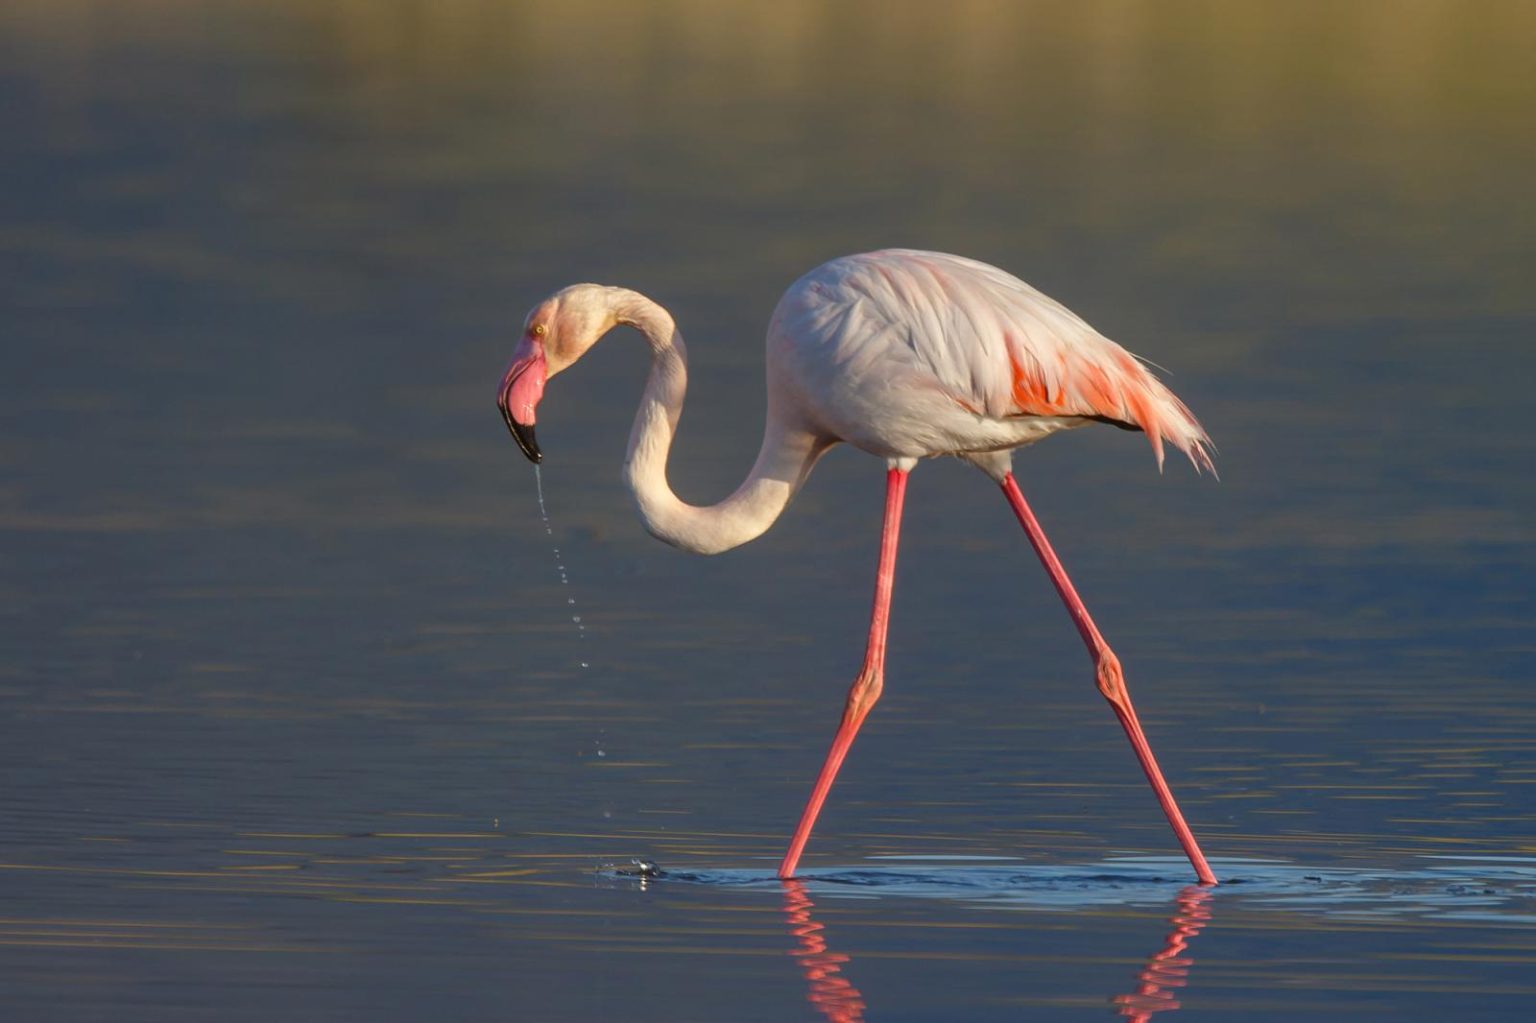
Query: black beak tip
523, 434
527, 441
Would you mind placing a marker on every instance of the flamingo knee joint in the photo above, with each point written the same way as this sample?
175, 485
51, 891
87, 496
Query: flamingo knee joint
1110, 677
863, 695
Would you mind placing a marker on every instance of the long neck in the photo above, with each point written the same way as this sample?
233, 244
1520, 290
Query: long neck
784, 460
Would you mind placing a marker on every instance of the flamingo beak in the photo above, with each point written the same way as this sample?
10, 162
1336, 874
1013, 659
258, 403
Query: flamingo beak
521, 389
524, 437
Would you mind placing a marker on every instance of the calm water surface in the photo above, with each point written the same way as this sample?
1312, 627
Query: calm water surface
293, 714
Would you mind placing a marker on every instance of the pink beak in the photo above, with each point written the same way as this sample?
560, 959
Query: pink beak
521, 389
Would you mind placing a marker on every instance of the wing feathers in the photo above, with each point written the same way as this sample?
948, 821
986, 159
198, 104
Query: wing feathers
1000, 348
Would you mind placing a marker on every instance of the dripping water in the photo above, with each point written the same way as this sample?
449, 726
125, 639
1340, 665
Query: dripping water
565, 581
570, 601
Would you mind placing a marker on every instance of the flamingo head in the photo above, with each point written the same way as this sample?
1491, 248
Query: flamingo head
557, 332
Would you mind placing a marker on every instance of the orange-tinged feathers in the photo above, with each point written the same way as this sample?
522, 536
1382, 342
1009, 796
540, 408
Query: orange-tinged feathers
1116, 388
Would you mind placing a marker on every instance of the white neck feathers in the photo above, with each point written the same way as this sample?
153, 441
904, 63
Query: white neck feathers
785, 459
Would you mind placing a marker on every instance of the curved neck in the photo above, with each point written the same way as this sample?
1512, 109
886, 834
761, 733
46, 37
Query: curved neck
783, 462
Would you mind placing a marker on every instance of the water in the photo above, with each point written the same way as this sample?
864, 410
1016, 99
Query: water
1438, 888
292, 713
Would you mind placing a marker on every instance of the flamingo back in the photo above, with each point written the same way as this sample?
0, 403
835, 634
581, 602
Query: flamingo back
988, 342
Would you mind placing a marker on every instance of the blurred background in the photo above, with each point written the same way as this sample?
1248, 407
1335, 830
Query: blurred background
276, 592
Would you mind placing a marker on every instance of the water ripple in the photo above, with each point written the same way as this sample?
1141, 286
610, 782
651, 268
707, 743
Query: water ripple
1494, 889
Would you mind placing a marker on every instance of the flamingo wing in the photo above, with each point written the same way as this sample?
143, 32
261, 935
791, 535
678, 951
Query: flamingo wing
996, 346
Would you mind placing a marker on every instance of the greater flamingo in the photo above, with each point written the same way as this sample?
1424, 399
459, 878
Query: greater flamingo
906, 355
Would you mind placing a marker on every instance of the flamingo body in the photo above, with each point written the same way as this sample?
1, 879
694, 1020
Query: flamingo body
906, 355
910, 354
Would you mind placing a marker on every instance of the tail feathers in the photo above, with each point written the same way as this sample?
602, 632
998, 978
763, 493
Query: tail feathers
1174, 423
1111, 386
1146, 402
1159, 413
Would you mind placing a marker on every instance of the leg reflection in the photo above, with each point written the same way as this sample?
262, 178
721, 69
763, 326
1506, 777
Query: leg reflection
840, 1002
1169, 967
826, 988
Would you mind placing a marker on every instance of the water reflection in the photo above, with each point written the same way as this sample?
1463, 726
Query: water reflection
836, 998
1169, 967
834, 995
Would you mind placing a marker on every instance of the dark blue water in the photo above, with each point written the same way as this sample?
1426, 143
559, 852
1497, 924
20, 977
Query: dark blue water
293, 714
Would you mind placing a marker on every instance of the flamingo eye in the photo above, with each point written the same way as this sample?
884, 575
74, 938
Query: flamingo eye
538, 330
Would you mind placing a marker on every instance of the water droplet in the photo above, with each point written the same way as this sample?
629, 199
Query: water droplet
549, 530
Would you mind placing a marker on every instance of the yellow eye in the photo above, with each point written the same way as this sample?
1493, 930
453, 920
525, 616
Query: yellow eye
538, 330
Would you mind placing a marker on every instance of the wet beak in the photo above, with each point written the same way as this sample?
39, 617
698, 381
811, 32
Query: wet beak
521, 389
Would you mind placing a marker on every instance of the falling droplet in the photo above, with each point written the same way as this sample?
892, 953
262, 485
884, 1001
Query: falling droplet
549, 530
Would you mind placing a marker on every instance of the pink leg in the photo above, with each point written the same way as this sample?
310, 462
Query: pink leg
866, 688
1111, 679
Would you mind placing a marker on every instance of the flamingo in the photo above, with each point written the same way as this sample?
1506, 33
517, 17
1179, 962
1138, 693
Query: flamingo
906, 355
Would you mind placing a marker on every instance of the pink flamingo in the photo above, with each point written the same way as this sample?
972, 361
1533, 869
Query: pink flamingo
906, 355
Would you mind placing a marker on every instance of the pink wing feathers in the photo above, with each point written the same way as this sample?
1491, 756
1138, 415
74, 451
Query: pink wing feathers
999, 348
